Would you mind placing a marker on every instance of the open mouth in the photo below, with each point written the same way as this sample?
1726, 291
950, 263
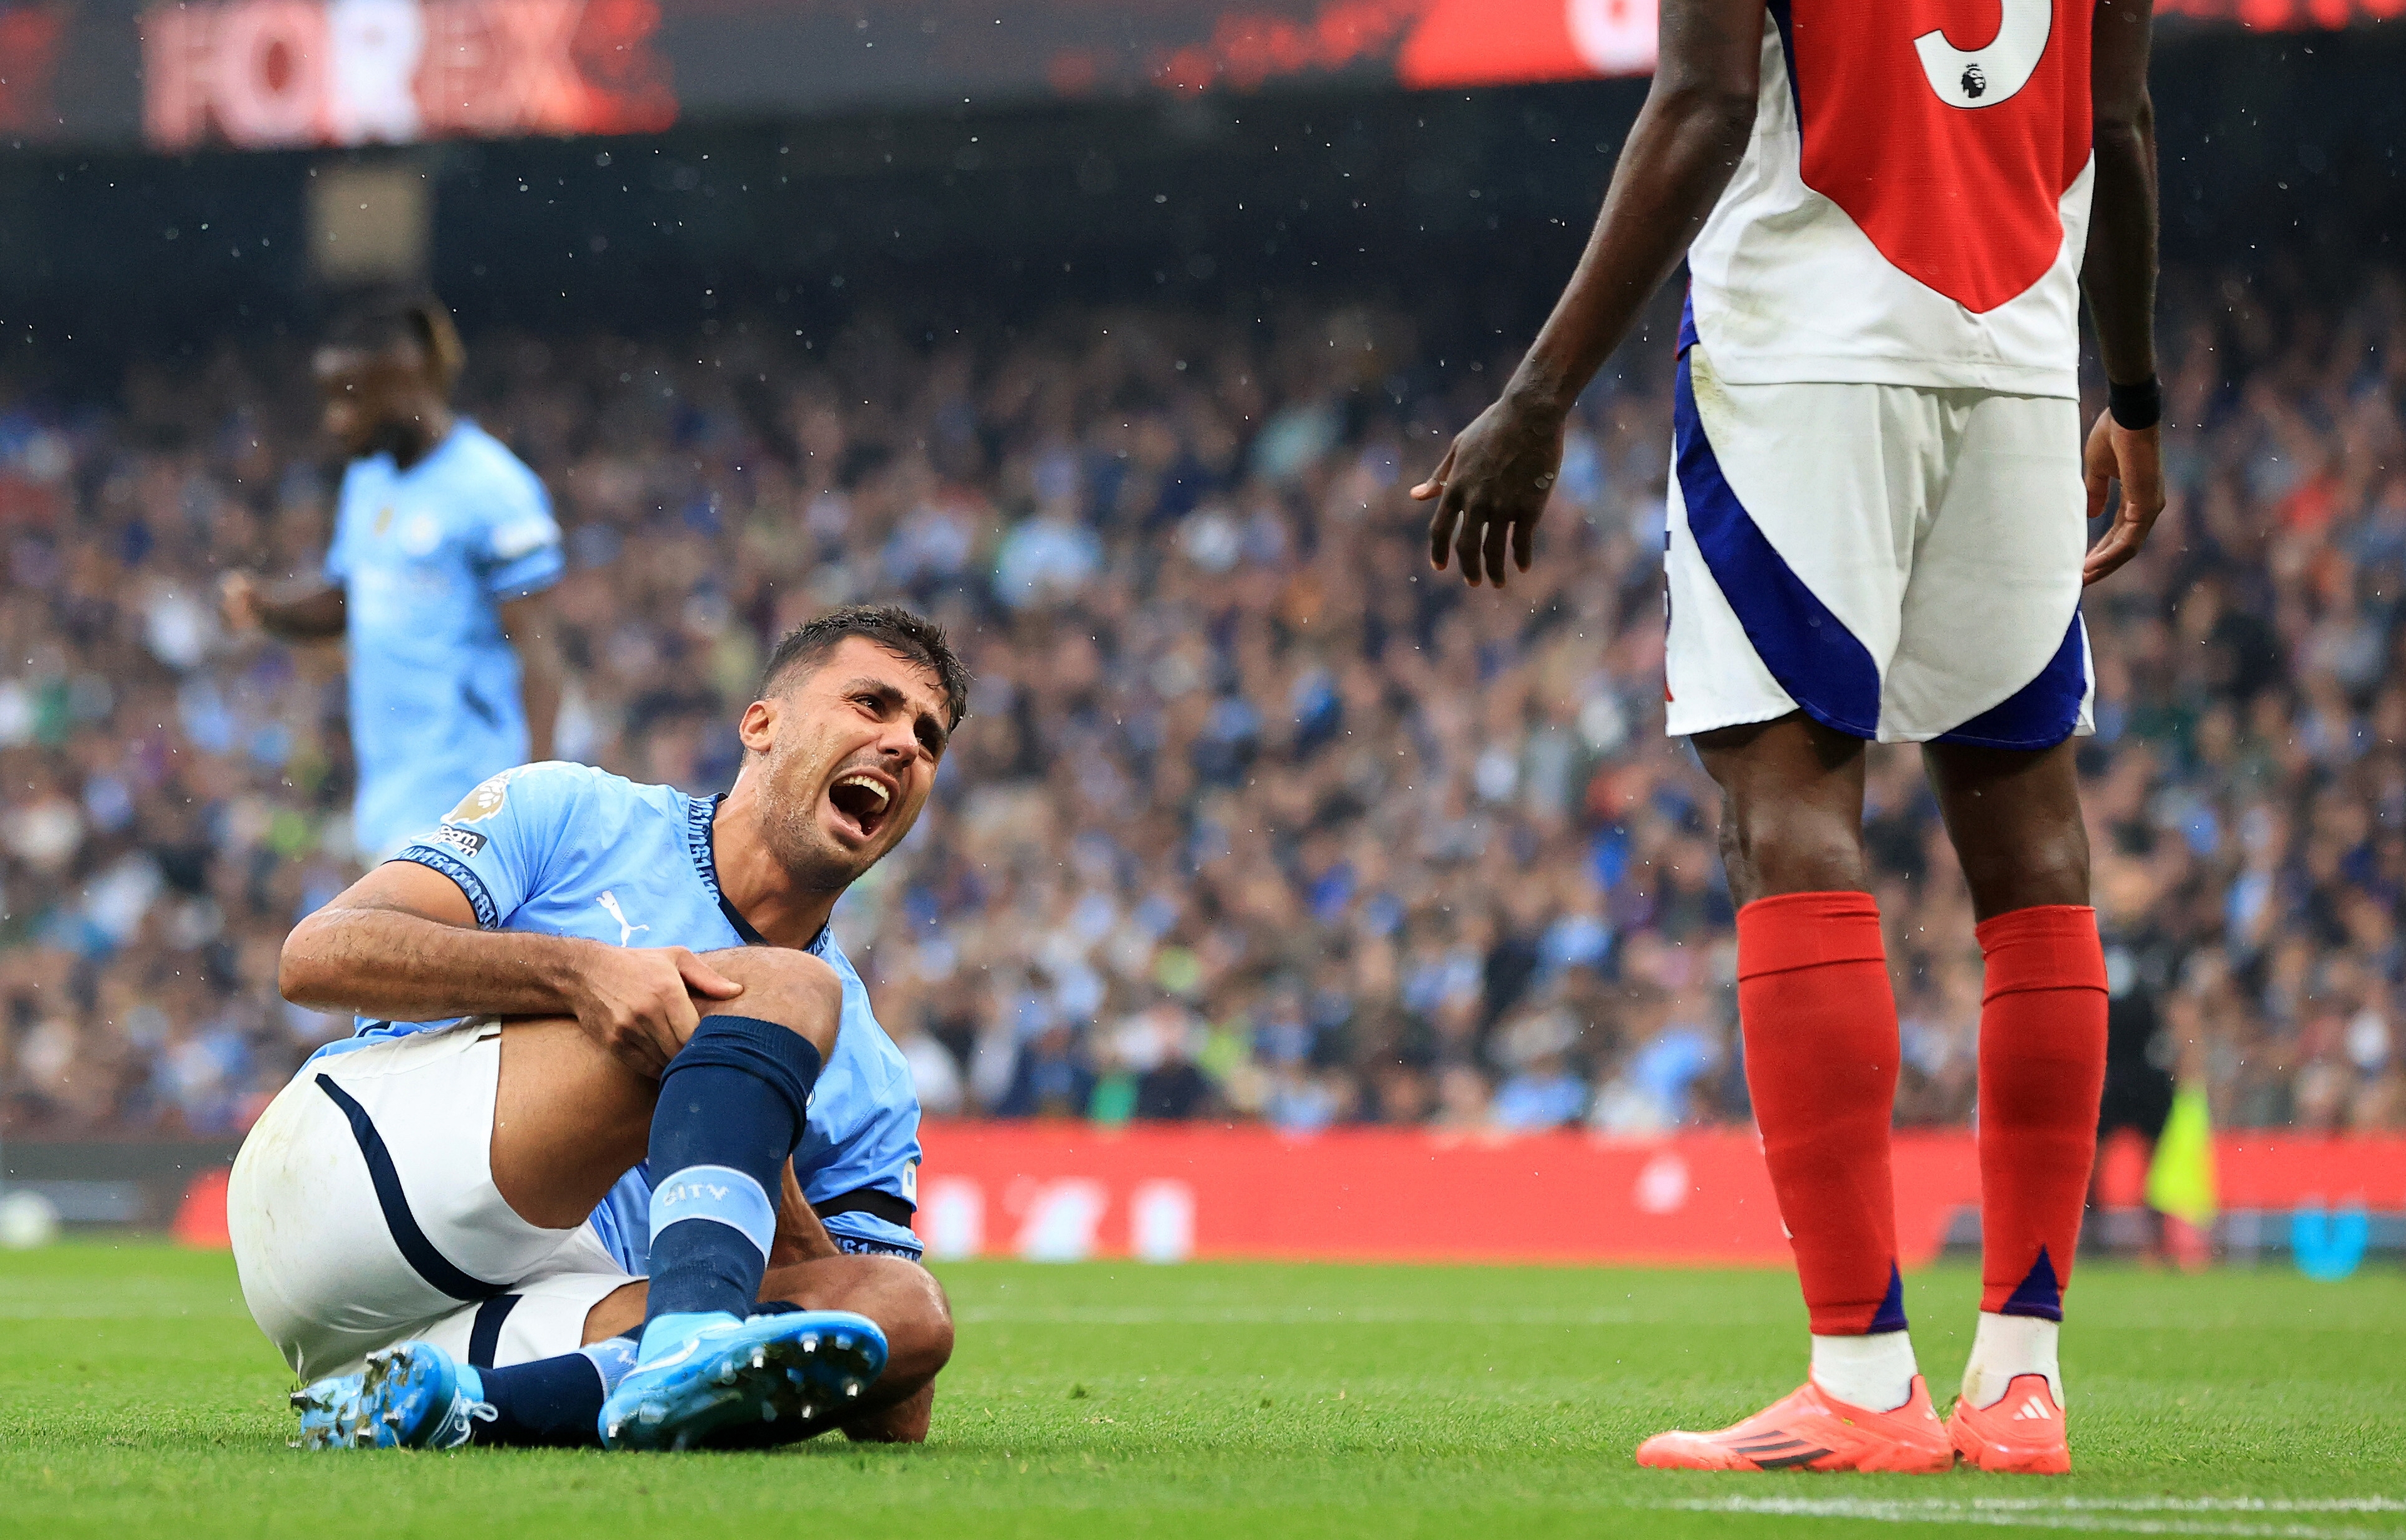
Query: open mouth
863, 801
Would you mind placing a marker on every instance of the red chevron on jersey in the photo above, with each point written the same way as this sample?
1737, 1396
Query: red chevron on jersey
1949, 130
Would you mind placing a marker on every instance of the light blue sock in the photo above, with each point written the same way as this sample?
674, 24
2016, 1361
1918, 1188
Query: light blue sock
666, 1333
612, 1357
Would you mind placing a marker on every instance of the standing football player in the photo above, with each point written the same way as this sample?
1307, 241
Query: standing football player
1890, 213
444, 544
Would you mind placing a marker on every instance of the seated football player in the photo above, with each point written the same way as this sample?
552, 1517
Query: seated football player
621, 1154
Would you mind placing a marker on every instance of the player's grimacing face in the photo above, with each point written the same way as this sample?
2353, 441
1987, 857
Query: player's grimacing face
849, 753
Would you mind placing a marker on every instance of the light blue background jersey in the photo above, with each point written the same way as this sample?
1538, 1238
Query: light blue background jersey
426, 556
568, 850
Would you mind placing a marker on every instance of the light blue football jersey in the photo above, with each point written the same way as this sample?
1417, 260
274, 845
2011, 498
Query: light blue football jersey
426, 556
568, 850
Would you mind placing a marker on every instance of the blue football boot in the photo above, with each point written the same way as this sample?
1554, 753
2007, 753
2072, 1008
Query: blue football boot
713, 1379
408, 1397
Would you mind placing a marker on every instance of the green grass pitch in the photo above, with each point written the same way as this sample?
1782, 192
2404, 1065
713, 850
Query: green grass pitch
136, 1399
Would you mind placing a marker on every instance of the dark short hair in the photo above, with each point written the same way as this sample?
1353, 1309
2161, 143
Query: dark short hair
381, 322
906, 633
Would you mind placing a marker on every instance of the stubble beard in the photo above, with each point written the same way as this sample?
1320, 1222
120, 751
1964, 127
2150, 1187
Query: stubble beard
815, 863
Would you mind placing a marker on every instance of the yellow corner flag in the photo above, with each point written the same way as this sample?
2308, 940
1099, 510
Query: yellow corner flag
2180, 1182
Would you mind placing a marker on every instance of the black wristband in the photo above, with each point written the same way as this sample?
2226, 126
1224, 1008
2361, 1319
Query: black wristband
2136, 406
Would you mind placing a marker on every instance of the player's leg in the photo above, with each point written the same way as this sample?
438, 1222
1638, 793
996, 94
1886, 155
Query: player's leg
570, 1118
1818, 1017
730, 1109
362, 1207
1791, 514
2014, 818
1822, 1051
1992, 670
513, 1371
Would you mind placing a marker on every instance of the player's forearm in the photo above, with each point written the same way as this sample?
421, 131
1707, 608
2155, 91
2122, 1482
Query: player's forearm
401, 966
306, 609
532, 628
2119, 270
542, 678
1686, 144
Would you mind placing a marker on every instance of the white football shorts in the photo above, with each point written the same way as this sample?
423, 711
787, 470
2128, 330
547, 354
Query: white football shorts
363, 1213
1902, 565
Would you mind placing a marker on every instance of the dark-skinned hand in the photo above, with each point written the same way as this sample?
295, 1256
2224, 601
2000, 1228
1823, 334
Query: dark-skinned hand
1491, 489
2134, 458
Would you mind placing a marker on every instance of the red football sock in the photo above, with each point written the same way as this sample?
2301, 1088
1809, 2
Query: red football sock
2042, 1072
1819, 1021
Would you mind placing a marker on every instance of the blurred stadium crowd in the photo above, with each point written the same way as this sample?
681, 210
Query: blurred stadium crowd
1255, 817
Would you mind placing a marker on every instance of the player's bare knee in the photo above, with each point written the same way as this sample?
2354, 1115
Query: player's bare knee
1795, 849
793, 989
916, 1318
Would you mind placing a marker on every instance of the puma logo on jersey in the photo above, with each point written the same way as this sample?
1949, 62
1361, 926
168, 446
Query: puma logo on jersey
2034, 1409
609, 902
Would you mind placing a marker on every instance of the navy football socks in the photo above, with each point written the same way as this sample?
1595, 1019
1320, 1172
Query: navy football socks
553, 1403
730, 1112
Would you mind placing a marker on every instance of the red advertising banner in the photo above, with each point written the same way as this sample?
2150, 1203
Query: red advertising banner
180, 73
1163, 1192
265, 72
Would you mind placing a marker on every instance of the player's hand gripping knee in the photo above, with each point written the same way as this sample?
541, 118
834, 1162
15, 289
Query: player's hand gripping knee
2134, 458
640, 1002
1492, 488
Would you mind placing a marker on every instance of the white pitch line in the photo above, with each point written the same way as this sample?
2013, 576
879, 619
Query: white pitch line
2096, 1515
989, 1315
2200, 1504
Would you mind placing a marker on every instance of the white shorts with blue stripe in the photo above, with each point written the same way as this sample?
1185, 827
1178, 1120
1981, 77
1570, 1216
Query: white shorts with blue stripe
363, 1213
1900, 563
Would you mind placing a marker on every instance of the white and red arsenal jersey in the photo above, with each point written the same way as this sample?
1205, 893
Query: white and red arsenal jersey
1914, 203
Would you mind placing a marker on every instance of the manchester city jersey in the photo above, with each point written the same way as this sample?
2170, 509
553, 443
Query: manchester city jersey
567, 850
426, 557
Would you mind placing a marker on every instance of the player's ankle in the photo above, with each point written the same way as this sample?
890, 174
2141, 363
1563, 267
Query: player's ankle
1873, 1371
2006, 1346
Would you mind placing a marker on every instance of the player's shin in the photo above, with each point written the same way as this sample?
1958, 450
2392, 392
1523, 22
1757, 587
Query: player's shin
731, 1110
2042, 1072
1821, 1051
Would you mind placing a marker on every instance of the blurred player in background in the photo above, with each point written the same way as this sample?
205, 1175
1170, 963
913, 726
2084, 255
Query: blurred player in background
444, 544
1876, 534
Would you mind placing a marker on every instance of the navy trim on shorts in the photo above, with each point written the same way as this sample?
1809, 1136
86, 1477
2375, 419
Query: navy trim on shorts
2042, 712
419, 1251
891, 1208
485, 1335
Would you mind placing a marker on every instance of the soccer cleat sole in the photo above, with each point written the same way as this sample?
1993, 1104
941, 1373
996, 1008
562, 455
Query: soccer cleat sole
329, 1421
1664, 1452
747, 1395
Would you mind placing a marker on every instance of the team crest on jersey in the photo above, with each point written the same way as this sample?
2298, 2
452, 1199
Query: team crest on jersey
467, 842
482, 803
383, 519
